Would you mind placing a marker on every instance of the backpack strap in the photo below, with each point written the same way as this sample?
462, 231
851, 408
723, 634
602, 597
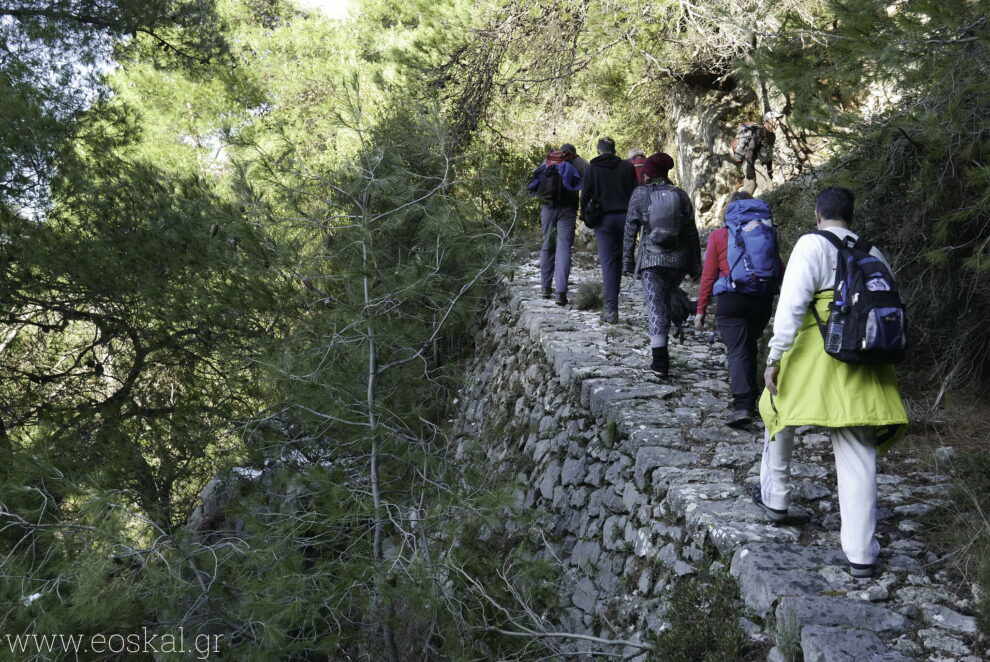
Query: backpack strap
859, 244
839, 245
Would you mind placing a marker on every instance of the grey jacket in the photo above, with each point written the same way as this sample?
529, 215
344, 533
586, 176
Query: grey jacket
686, 255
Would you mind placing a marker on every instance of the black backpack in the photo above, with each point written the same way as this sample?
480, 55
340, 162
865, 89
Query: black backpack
665, 217
549, 185
866, 322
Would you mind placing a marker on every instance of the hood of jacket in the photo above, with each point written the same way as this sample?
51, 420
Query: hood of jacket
606, 161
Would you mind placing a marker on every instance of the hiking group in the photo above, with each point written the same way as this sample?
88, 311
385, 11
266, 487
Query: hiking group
837, 332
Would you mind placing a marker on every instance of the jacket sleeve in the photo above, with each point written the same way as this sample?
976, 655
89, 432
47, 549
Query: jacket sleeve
569, 176
587, 191
709, 273
796, 294
633, 222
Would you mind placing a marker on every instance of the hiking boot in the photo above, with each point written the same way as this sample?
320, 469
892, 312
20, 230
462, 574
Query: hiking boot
610, 317
861, 570
776, 516
547, 293
661, 361
561, 299
740, 418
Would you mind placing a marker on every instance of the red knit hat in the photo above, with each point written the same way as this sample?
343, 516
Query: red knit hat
658, 165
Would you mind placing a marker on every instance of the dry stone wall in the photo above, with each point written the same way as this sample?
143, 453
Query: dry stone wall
642, 484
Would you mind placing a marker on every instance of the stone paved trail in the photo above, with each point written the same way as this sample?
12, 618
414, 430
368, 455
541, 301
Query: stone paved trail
644, 483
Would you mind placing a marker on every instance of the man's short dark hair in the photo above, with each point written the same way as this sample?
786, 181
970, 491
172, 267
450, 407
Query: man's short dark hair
741, 195
606, 145
567, 147
836, 204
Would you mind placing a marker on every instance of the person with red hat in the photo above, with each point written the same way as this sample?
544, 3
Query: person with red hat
661, 218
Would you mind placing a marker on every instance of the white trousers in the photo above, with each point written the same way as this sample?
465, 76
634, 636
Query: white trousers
856, 472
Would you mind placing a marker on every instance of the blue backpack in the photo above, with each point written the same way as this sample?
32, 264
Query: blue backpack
753, 255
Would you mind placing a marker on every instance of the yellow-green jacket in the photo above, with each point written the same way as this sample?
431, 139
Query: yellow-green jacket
815, 389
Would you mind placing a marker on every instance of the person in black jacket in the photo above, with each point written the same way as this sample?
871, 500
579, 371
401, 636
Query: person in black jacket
609, 182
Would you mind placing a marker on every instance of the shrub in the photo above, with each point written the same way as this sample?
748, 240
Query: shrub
704, 622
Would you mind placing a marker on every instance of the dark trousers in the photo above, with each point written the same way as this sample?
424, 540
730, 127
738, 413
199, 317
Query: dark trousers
610, 234
740, 320
559, 224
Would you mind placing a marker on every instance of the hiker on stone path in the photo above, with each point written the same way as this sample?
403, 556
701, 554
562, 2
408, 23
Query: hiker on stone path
754, 143
743, 270
556, 183
637, 158
608, 183
860, 404
669, 248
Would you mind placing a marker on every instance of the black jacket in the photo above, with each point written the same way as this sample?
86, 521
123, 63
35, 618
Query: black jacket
611, 181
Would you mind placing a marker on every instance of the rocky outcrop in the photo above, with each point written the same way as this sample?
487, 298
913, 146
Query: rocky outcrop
642, 484
703, 125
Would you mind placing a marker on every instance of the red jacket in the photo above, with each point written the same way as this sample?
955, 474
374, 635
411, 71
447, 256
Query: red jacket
716, 265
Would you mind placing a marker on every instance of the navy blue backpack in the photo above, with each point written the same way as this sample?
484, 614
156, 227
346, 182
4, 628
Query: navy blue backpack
866, 323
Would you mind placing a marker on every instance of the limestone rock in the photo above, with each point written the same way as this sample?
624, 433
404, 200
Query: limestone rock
828, 644
840, 612
947, 619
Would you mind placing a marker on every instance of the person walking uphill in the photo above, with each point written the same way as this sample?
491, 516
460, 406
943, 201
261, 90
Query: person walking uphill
556, 184
669, 248
609, 182
637, 159
860, 403
743, 270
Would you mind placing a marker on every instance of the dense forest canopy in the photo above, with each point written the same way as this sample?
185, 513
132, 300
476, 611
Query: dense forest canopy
244, 248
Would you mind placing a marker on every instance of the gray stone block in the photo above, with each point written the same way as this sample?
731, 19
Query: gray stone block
765, 577
681, 497
947, 619
649, 458
735, 455
940, 640
649, 435
665, 478
594, 474
573, 471
618, 463
831, 611
825, 644
549, 481
613, 531
585, 555
585, 596
612, 502
631, 497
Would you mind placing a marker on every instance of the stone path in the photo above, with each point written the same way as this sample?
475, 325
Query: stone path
644, 483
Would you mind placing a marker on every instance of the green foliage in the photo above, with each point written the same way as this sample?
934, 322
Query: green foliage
589, 296
965, 526
54, 55
917, 160
787, 631
704, 622
250, 256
